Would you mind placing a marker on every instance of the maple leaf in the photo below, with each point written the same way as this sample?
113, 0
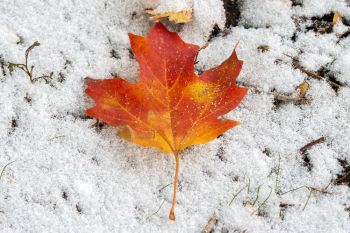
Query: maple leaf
170, 108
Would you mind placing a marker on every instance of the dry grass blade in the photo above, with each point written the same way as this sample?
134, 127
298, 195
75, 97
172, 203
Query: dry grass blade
26, 68
263, 203
154, 213
3, 169
308, 198
234, 196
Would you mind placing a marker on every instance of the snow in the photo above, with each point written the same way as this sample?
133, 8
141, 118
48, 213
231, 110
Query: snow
212, 13
339, 68
172, 6
69, 176
268, 13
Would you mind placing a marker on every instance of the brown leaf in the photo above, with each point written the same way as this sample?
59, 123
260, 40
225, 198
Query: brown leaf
183, 16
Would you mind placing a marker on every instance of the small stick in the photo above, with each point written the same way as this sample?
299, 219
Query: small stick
317, 76
296, 65
45, 77
280, 97
311, 144
210, 225
323, 190
203, 47
286, 98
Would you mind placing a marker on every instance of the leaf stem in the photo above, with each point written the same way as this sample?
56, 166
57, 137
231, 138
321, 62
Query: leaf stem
177, 166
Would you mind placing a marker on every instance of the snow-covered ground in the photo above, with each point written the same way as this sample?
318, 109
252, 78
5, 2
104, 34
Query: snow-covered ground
69, 175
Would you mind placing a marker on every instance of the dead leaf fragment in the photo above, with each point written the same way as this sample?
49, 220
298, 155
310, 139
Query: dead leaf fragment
210, 225
183, 16
302, 88
337, 18
263, 48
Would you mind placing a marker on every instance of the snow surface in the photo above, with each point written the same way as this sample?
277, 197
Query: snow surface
68, 176
173, 6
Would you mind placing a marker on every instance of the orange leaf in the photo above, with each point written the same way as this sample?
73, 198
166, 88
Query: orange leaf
170, 108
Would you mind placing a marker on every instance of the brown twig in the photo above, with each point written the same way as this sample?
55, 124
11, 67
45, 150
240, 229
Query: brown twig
296, 65
45, 77
320, 190
286, 98
311, 144
278, 96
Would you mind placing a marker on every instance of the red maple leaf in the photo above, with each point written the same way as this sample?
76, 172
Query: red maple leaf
170, 108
